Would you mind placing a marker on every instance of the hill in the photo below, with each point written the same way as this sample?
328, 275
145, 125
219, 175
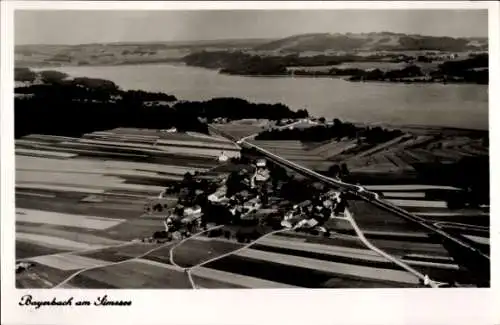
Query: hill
121, 53
167, 52
322, 42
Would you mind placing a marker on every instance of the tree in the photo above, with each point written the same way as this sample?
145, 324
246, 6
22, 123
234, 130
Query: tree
322, 120
52, 76
160, 234
217, 214
187, 179
277, 173
158, 208
336, 122
334, 171
343, 170
264, 197
24, 75
240, 237
179, 210
233, 183
455, 202
96, 83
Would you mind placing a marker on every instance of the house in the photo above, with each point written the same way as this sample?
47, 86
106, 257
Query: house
223, 157
192, 211
261, 163
171, 130
261, 174
307, 223
252, 203
218, 195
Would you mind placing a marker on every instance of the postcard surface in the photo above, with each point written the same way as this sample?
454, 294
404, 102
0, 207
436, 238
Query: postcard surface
160, 159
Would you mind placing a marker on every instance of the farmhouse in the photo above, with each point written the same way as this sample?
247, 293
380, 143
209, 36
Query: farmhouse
218, 195
223, 157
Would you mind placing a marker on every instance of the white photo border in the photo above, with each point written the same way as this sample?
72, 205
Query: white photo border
290, 306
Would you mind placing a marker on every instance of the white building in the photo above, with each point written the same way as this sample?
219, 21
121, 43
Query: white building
223, 157
261, 163
261, 175
192, 211
171, 130
218, 195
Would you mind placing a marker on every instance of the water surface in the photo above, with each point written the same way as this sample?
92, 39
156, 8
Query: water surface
454, 105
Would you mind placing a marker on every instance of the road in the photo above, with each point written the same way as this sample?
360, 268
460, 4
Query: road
424, 278
371, 197
358, 191
189, 269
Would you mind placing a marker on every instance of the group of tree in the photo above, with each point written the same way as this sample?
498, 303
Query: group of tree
452, 71
337, 130
234, 183
471, 174
473, 69
297, 190
218, 214
338, 171
71, 110
241, 63
470, 70
24, 75
443, 43
71, 107
236, 108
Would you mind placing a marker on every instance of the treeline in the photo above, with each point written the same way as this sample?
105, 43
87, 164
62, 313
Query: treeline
444, 43
24, 75
67, 111
471, 70
470, 173
236, 109
337, 130
71, 107
247, 64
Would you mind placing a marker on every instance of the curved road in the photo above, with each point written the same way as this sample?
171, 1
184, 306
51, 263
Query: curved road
369, 196
189, 269
75, 274
424, 278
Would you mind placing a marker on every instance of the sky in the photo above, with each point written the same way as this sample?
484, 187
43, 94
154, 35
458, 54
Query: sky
77, 27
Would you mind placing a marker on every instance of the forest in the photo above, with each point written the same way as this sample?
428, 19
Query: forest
59, 105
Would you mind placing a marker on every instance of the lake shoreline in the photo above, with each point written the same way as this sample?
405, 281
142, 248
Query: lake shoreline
463, 106
346, 78
304, 76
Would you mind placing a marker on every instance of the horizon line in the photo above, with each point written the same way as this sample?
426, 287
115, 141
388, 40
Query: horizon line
244, 39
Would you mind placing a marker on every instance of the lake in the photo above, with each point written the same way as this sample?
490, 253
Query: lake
453, 105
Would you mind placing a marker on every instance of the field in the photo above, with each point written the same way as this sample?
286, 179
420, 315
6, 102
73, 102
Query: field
471, 224
383, 66
77, 216
242, 128
390, 169
84, 195
412, 244
315, 156
398, 156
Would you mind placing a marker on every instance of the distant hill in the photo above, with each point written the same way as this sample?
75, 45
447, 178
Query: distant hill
121, 53
158, 52
322, 42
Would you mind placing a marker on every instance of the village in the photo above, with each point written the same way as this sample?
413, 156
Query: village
246, 198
